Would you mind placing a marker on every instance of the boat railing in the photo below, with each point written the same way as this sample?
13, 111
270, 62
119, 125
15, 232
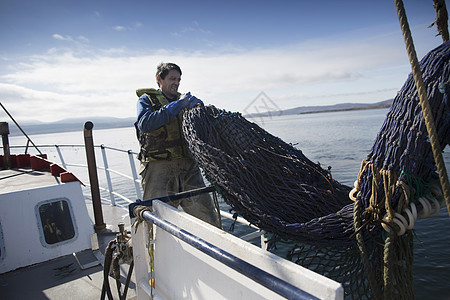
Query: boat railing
107, 186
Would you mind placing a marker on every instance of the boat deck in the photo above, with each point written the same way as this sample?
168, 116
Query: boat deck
60, 278
12, 180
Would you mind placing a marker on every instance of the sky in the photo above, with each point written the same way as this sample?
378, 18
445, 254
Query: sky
81, 59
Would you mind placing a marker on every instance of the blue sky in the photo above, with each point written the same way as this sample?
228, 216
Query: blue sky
69, 59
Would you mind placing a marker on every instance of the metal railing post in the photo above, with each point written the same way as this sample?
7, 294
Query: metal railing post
263, 241
61, 157
93, 177
135, 176
108, 176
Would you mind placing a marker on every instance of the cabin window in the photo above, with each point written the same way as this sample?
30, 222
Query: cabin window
55, 221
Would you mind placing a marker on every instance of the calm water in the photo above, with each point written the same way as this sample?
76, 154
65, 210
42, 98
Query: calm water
340, 140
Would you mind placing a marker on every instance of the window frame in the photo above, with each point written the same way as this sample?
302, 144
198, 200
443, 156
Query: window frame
40, 226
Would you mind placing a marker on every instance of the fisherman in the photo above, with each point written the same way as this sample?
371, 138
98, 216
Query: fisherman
166, 164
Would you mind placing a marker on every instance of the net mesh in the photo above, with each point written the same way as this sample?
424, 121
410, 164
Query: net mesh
277, 188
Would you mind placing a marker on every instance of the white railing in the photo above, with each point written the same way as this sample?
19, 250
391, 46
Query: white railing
110, 193
107, 170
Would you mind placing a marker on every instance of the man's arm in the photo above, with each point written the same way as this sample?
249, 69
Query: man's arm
149, 120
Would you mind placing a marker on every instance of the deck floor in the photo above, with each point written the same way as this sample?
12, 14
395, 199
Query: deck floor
61, 278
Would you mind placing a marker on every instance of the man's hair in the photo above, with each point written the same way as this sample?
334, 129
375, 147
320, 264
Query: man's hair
164, 68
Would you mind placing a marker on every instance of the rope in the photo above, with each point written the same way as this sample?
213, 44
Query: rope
138, 211
428, 116
388, 263
374, 208
397, 271
371, 276
405, 197
389, 180
441, 19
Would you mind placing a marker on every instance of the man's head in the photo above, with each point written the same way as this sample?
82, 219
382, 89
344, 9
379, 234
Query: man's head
168, 77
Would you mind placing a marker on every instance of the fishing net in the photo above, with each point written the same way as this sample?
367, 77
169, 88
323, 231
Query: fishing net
276, 187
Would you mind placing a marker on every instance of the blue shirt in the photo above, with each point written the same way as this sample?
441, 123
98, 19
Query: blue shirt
149, 120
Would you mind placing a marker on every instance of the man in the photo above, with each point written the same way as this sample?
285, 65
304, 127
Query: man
166, 165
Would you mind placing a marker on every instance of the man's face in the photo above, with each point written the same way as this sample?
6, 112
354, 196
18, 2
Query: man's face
169, 85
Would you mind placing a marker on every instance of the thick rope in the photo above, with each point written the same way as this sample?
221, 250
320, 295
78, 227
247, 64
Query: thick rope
441, 19
389, 180
388, 277
428, 116
404, 198
375, 209
371, 276
397, 272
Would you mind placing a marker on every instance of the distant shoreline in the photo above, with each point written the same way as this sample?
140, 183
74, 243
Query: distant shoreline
321, 109
58, 127
345, 109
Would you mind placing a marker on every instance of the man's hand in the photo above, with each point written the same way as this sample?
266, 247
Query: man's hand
195, 102
176, 106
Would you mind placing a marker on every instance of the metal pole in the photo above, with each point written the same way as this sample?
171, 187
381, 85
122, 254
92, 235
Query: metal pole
93, 178
61, 157
108, 177
168, 198
4, 131
135, 177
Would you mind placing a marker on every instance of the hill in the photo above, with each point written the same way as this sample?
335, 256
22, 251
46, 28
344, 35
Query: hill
328, 108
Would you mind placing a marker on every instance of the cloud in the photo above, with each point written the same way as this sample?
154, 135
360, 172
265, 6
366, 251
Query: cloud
32, 104
193, 28
102, 82
119, 28
83, 39
62, 38
135, 26
68, 38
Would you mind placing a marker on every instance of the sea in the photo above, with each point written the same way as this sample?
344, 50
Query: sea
340, 140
